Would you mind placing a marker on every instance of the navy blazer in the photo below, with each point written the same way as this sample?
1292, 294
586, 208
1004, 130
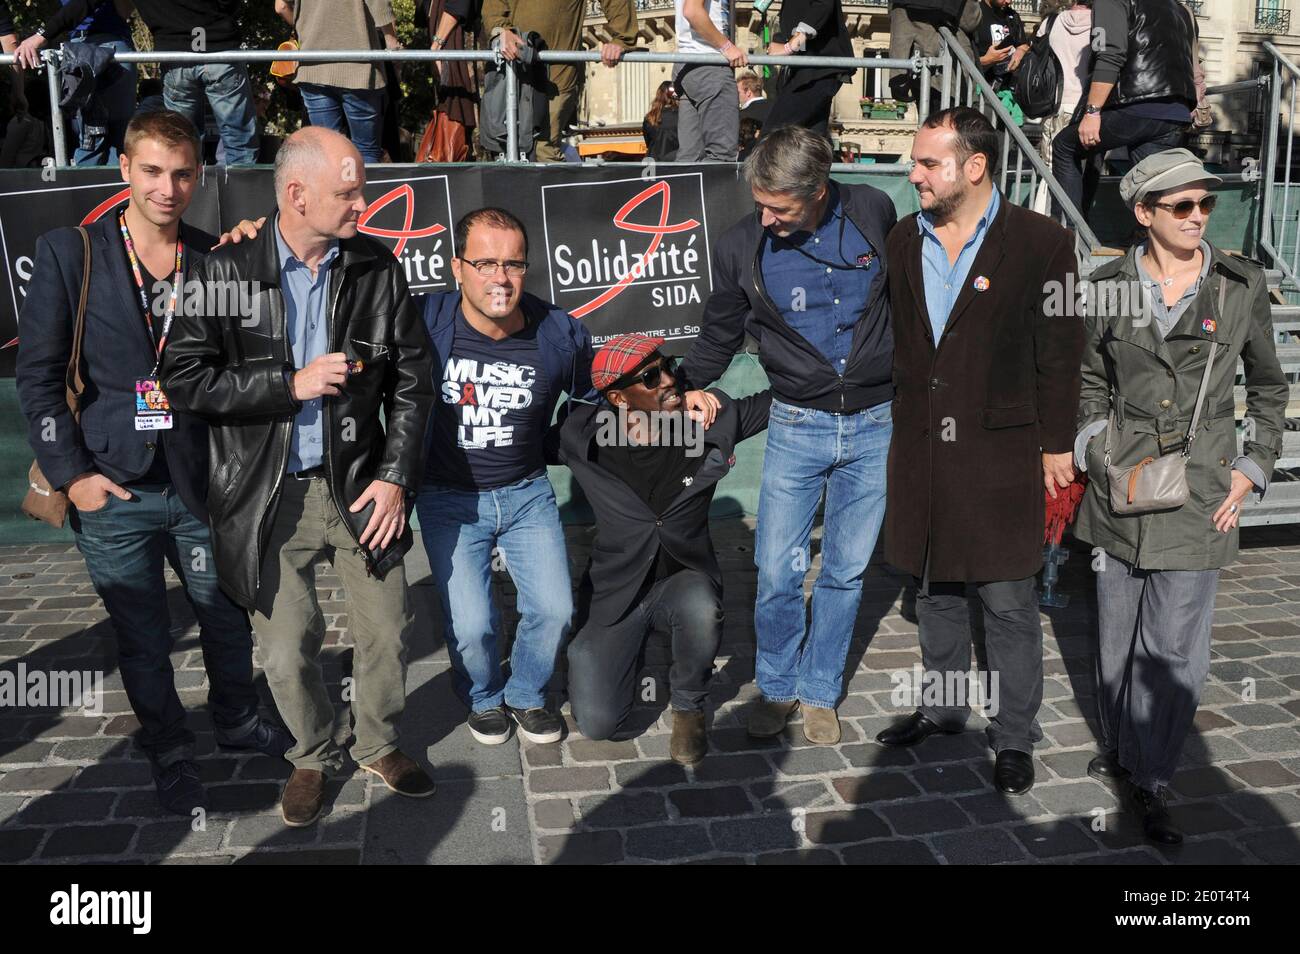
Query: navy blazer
117, 349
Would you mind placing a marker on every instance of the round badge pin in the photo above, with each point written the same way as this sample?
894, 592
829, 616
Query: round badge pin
981, 283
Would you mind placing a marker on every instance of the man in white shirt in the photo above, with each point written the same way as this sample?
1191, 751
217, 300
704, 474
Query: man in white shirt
709, 122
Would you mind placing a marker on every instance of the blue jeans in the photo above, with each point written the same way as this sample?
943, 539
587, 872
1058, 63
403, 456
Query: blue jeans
328, 106
124, 544
229, 93
808, 452
465, 534
99, 145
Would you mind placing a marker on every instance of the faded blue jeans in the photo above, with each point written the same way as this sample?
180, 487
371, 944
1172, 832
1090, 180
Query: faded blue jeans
517, 528
363, 110
230, 95
809, 453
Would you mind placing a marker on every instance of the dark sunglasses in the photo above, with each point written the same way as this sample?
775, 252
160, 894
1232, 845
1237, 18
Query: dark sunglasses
648, 376
1181, 210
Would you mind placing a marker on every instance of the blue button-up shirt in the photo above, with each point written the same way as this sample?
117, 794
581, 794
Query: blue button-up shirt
822, 303
944, 281
305, 304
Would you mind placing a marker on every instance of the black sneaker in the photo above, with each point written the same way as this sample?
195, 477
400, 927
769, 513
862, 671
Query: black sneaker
265, 737
491, 726
1153, 812
537, 725
180, 789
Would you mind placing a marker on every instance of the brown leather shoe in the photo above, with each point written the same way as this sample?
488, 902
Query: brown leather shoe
304, 795
768, 719
690, 742
821, 726
401, 774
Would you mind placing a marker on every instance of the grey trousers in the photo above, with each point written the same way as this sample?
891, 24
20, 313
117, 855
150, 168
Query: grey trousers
708, 125
1013, 643
290, 630
1154, 635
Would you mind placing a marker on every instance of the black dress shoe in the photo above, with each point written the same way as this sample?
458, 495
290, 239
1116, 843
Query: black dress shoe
1013, 772
1106, 768
915, 728
1150, 807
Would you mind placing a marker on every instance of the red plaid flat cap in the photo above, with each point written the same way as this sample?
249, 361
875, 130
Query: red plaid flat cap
619, 355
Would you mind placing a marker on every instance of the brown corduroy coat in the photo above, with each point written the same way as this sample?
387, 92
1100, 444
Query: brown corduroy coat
973, 416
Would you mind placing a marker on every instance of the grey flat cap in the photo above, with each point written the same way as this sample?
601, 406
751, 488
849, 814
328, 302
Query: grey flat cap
1171, 169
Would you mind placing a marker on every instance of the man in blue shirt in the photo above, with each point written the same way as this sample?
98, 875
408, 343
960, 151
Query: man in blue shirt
803, 275
987, 371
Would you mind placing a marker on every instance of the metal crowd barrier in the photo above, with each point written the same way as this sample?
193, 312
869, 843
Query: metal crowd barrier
52, 60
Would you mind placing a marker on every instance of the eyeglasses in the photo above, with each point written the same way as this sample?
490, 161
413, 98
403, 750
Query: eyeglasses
487, 267
648, 376
1181, 210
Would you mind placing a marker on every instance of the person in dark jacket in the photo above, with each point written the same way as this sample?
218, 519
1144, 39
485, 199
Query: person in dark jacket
988, 383
136, 475
185, 26
1000, 42
659, 128
805, 275
804, 94
304, 468
649, 473
1141, 95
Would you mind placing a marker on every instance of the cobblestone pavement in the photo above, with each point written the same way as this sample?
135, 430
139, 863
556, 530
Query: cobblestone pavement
73, 789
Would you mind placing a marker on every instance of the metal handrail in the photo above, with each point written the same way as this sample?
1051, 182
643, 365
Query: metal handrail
1082, 230
1267, 242
52, 60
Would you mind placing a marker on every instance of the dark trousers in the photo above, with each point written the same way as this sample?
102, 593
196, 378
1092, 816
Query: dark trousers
124, 544
804, 103
1013, 643
603, 659
1072, 163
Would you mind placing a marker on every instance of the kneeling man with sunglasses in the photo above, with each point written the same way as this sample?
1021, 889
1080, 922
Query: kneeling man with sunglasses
649, 472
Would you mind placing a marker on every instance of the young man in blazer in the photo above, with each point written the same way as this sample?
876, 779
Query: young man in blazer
987, 372
136, 473
650, 473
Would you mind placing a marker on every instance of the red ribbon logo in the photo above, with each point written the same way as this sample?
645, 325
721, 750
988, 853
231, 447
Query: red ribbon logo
405, 233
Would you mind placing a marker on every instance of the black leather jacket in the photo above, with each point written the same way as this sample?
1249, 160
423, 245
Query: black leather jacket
231, 368
1149, 51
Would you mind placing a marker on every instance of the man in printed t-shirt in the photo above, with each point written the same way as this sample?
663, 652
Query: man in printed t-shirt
502, 358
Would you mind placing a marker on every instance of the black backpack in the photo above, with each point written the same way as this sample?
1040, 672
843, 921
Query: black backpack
1040, 79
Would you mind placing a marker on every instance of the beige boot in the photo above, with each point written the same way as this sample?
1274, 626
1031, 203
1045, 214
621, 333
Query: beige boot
768, 719
821, 726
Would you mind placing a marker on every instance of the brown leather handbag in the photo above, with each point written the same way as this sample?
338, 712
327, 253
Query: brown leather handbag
444, 140
44, 502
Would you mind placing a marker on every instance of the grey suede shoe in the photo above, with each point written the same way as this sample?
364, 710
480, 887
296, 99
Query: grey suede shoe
768, 719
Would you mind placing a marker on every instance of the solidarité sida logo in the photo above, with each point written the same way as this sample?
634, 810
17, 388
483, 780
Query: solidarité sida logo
622, 248
412, 216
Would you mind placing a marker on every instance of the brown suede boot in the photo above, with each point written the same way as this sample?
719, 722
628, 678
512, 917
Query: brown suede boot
304, 795
690, 741
821, 726
768, 719
401, 774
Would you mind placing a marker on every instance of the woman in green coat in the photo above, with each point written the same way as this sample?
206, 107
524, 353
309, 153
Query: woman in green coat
1154, 319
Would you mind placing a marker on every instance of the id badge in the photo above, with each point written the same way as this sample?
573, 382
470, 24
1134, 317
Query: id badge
153, 412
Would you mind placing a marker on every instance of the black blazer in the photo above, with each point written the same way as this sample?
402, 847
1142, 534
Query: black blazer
628, 532
117, 350
757, 110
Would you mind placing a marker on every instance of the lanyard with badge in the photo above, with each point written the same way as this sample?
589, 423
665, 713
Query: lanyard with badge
153, 412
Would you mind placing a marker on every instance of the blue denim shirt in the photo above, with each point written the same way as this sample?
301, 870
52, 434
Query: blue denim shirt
832, 299
305, 304
943, 282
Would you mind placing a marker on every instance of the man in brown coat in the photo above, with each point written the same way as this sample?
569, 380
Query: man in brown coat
986, 366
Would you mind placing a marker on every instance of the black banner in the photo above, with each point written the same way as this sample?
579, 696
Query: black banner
618, 246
